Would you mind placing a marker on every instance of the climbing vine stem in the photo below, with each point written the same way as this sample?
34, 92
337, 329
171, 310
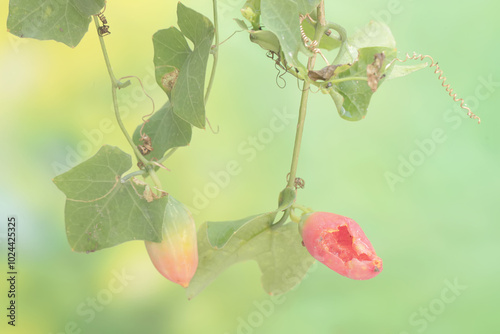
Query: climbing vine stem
320, 28
215, 52
115, 84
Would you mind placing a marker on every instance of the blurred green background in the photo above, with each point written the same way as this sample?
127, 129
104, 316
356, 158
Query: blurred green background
438, 227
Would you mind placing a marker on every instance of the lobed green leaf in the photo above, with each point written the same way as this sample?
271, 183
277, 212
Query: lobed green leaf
278, 251
307, 6
102, 211
166, 131
188, 99
282, 18
373, 34
64, 21
170, 53
219, 233
356, 94
398, 71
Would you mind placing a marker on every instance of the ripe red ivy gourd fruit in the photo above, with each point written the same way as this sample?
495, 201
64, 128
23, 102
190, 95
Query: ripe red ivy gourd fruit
176, 256
339, 243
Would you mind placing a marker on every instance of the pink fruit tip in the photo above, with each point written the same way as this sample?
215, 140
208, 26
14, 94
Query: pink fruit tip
339, 243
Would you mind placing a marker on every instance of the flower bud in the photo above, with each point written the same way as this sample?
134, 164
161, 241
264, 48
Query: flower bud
251, 12
339, 243
266, 40
176, 256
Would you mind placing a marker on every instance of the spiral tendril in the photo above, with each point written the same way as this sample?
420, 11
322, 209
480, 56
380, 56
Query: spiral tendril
211, 128
278, 66
308, 43
438, 70
104, 29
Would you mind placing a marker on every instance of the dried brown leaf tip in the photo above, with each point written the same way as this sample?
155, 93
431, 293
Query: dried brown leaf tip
324, 74
148, 193
147, 146
373, 71
104, 29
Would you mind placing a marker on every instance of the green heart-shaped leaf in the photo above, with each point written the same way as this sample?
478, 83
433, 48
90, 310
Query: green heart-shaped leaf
278, 251
101, 210
352, 97
64, 21
166, 131
188, 93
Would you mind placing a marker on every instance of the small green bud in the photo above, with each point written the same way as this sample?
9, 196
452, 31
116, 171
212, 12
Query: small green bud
251, 12
266, 40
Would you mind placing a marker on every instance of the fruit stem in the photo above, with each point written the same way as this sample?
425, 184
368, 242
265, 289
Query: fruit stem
305, 210
303, 101
294, 217
302, 208
320, 26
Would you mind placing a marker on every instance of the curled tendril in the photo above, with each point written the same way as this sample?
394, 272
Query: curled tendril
104, 29
278, 66
438, 70
298, 183
144, 120
211, 128
308, 43
280, 75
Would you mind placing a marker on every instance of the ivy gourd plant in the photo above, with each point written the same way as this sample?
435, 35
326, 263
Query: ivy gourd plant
110, 200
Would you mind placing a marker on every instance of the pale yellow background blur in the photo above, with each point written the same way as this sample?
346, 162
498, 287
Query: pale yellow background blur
438, 227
